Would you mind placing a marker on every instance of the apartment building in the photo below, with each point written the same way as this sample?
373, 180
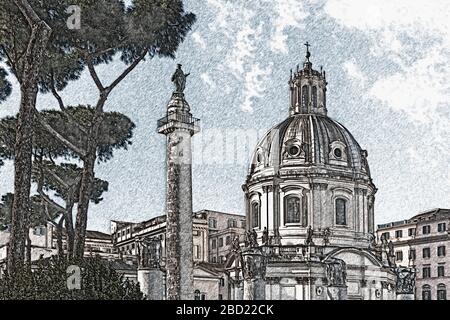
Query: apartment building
423, 242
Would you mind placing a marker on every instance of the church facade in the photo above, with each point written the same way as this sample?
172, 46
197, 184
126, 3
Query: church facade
310, 210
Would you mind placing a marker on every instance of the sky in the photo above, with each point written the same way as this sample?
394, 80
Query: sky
387, 64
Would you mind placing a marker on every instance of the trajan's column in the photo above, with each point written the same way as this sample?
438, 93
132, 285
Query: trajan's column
179, 126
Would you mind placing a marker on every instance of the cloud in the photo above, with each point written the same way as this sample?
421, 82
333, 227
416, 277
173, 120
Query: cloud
255, 82
419, 90
355, 74
290, 14
207, 79
412, 38
251, 31
198, 38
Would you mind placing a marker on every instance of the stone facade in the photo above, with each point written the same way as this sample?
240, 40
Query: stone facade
422, 243
223, 229
44, 244
210, 279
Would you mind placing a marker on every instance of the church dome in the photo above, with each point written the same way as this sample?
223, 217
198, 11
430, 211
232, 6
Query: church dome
307, 140
309, 173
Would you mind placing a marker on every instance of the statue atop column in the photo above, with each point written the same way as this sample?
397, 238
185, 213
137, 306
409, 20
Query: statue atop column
179, 79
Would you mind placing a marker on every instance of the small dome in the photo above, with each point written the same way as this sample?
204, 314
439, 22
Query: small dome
306, 140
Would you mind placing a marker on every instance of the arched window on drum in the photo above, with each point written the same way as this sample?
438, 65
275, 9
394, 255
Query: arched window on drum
255, 214
305, 97
314, 97
296, 210
341, 211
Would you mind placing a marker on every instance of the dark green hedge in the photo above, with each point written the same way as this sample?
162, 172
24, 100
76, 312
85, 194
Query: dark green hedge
49, 281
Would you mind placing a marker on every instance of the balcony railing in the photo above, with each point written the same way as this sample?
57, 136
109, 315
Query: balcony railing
183, 118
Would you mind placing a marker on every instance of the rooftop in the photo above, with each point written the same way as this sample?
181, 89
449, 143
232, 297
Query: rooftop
432, 214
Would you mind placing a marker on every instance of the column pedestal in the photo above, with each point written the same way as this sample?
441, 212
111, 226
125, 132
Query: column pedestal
151, 283
405, 296
254, 270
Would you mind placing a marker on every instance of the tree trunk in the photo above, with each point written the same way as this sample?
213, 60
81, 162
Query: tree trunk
69, 228
40, 34
87, 180
28, 242
59, 236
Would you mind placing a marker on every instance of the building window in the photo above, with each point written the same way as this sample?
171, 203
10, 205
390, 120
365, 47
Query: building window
442, 227
441, 271
314, 96
222, 282
385, 236
255, 214
220, 297
399, 256
305, 97
441, 251
220, 242
426, 229
441, 292
426, 272
341, 212
203, 296
399, 233
292, 209
214, 259
411, 232
212, 223
426, 292
426, 253
228, 240
197, 295
39, 231
232, 223
412, 254
243, 224
213, 243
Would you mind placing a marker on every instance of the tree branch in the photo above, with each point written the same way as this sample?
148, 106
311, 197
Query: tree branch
59, 137
127, 70
29, 14
62, 106
52, 203
94, 74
